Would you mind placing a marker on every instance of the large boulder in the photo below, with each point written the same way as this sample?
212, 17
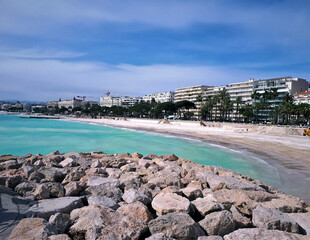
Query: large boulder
240, 220
96, 181
61, 221
106, 190
74, 188
303, 219
176, 225
262, 234
191, 193
133, 195
274, 220
159, 236
53, 174
47, 207
218, 223
207, 205
102, 201
33, 229
96, 222
164, 203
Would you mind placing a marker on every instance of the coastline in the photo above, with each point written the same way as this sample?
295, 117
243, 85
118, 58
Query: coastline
287, 153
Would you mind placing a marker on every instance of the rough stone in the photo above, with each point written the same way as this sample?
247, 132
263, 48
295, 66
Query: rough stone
207, 205
164, 203
53, 174
176, 225
96, 164
133, 195
102, 201
106, 190
159, 236
25, 188
218, 223
96, 181
274, 220
303, 219
73, 188
55, 189
41, 192
192, 193
240, 220
68, 162
210, 238
262, 234
32, 229
59, 237
61, 221
46, 208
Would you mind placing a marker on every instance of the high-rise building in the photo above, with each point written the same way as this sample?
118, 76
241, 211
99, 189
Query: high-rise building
302, 97
159, 97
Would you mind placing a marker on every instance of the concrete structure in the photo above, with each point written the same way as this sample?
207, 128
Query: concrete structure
70, 103
110, 101
91, 103
191, 94
52, 104
284, 86
129, 101
302, 97
160, 97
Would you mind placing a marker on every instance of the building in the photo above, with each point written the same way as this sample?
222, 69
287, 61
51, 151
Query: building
52, 104
129, 101
70, 103
192, 94
159, 97
282, 86
302, 97
110, 101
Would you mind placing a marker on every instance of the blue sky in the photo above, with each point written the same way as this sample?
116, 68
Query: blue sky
52, 49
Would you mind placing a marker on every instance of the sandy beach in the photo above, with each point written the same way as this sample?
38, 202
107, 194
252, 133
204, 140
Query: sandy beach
279, 145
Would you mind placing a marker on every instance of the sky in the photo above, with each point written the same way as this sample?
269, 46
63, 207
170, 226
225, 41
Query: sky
61, 49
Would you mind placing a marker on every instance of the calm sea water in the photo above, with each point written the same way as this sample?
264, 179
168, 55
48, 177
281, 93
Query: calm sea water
19, 136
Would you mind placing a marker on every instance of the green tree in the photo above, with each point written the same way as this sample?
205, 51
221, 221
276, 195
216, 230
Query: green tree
238, 102
247, 112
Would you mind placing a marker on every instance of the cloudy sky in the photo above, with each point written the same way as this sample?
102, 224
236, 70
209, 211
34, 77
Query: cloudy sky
51, 49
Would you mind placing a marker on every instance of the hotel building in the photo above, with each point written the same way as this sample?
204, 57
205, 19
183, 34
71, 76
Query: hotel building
159, 97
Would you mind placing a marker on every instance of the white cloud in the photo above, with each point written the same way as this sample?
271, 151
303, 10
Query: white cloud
28, 79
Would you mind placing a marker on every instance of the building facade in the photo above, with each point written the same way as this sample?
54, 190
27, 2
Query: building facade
159, 97
129, 101
70, 103
302, 97
119, 101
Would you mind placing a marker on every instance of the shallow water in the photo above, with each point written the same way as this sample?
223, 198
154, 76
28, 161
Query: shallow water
19, 136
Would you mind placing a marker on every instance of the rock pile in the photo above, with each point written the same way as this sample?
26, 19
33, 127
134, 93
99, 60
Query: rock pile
122, 196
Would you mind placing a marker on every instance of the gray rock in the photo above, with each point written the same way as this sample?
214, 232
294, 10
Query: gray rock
164, 203
55, 189
13, 181
240, 220
231, 182
303, 219
274, 220
192, 193
68, 162
61, 221
27, 170
207, 205
262, 234
106, 190
218, 223
25, 188
46, 208
176, 225
41, 192
59, 237
210, 238
74, 188
96, 164
53, 174
32, 229
103, 201
96, 181
159, 236
97, 222
74, 175
133, 195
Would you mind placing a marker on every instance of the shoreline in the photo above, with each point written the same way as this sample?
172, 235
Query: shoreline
274, 150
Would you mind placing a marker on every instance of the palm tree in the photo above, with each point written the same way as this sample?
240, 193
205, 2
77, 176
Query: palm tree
224, 99
199, 99
256, 96
238, 102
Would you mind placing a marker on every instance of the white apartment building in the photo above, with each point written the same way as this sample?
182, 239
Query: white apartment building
110, 101
119, 101
70, 103
130, 101
191, 94
159, 97
302, 97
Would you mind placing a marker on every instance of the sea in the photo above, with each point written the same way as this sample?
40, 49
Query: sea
19, 136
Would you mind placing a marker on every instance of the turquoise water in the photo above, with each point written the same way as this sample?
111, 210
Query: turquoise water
19, 136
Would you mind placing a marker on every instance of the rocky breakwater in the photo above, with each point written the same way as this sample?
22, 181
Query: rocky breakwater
122, 196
